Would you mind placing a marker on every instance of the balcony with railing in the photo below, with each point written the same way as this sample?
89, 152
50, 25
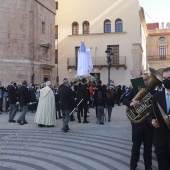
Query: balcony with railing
100, 62
158, 58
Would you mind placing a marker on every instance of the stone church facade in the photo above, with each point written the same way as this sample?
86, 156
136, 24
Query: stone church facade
27, 41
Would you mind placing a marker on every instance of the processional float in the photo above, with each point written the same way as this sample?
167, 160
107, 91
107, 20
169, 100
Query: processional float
85, 65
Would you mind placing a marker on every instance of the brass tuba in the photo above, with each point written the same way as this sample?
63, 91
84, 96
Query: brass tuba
139, 113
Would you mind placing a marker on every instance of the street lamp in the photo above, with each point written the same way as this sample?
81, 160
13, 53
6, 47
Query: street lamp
109, 52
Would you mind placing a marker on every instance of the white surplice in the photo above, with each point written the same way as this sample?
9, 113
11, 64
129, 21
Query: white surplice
46, 112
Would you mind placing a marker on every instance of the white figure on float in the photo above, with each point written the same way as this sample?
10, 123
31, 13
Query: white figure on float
84, 61
89, 60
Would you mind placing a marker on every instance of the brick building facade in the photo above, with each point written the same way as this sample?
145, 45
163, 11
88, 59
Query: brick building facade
27, 41
158, 49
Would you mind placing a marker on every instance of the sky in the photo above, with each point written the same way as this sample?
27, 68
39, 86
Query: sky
156, 10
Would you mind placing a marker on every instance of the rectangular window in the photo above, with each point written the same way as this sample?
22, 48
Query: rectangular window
107, 28
75, 28
96, 76
76, 54
43, 27
86, 29
118, 28
56, 56
56, 5
162, 51
56, 32
115, 56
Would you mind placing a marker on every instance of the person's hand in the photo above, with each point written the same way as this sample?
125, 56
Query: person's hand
155, 123
87, 102
134, 103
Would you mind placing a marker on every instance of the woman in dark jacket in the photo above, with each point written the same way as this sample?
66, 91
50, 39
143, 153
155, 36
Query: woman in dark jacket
100, 101
110, 101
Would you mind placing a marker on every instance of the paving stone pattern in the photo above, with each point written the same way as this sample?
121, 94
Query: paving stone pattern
85, 147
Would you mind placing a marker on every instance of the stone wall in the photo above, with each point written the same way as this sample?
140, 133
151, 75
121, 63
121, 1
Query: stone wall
136, 60
23, 43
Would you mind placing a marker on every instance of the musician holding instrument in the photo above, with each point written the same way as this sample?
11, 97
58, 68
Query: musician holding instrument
160, 120
142, 132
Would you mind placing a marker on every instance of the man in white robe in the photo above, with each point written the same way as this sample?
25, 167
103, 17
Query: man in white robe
46, 112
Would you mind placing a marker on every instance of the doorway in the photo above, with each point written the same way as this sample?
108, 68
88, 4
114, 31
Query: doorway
96, 76
46, 79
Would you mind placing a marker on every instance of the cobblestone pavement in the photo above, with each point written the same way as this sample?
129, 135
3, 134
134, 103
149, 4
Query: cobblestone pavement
85, 147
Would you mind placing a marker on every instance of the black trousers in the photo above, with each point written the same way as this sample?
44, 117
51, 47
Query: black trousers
1, 102
141, 133
163, 157
85, 108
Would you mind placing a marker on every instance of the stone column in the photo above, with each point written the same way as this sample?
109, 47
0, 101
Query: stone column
137, 60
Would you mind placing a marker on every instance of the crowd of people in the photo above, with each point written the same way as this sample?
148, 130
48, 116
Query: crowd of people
51, 103
25, 97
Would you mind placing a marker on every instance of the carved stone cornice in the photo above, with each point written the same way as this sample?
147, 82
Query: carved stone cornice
49, 66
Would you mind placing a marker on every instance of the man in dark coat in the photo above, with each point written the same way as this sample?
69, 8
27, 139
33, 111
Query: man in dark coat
118, 95
66, 103
13, 98
141, 132
57, 104
83, 93
161, 138
2, 90
24, 99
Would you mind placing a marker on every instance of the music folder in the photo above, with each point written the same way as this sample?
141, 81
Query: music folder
138, 83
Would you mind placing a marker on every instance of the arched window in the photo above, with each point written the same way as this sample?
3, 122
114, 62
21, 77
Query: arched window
107, 26
75, 28
118, 25
86, 29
